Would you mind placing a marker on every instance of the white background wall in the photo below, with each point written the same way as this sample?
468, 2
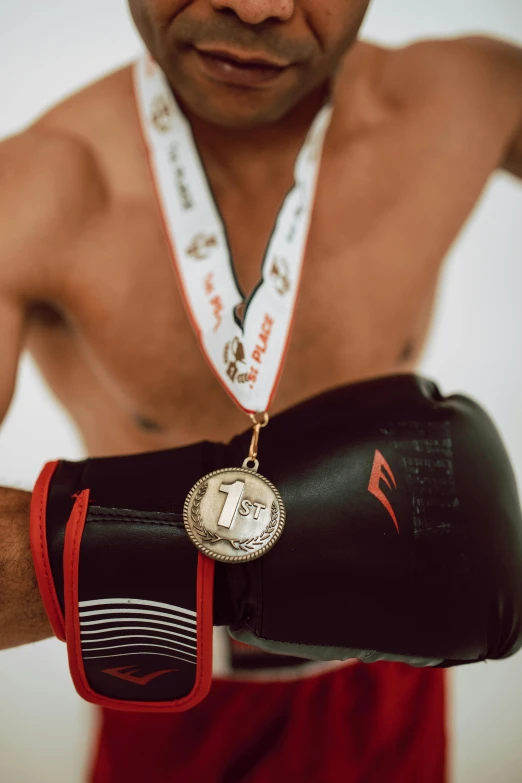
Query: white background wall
49, 49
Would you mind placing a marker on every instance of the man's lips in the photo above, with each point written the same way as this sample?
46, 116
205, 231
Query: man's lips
244, 59
230, 68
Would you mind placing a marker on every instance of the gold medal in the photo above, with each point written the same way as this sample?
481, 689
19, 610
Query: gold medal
235, 515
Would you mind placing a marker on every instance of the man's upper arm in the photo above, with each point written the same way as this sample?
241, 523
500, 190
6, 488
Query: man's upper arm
11, 329
14, 269
45, 196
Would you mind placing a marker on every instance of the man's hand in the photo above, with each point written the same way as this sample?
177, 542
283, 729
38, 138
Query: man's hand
22, 615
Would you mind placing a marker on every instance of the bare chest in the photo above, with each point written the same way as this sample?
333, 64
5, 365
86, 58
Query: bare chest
128, 365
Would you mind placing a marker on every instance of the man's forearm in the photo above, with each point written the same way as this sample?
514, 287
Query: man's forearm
22, 615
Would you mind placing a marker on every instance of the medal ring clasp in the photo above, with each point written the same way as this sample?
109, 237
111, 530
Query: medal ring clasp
260, 420
251, 463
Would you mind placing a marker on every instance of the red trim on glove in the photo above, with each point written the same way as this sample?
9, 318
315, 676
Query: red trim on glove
38, 538
205, 585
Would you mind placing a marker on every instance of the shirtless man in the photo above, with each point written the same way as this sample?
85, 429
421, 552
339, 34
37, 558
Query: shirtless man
85, 277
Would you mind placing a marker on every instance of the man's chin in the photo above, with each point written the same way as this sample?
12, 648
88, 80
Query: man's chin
238, 112
238, 119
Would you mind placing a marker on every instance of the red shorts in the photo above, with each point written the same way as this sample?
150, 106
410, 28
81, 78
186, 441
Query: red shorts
361, 723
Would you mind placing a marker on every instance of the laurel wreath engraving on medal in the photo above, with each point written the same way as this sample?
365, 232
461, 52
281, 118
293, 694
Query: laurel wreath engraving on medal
240, 544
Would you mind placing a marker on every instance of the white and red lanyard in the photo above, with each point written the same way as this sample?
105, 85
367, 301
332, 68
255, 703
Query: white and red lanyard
247, 355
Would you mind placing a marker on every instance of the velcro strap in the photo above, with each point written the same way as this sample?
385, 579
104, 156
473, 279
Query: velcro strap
138, 609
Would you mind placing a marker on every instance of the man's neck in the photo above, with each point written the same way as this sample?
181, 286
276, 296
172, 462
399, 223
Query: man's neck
250, 158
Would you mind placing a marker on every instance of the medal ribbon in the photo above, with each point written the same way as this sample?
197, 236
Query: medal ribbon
246, 354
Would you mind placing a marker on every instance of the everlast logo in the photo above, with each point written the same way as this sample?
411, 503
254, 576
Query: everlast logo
129, 673
234, 355
161, 116
180, 178
201, 246
279, 274
381, 472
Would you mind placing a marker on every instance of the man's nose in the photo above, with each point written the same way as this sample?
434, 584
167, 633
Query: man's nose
257, 11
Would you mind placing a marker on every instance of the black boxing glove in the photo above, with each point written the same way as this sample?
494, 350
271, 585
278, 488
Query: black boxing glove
403, 542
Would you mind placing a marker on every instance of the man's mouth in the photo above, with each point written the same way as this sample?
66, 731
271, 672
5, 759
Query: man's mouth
245, 69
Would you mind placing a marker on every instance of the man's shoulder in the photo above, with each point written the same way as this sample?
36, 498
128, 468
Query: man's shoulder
44, 166
60, 155
53, 177
103, 120
98, 113
435, 69
45, 178
452, 80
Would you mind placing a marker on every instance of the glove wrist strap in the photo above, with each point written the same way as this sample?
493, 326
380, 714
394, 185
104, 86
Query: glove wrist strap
138, 602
